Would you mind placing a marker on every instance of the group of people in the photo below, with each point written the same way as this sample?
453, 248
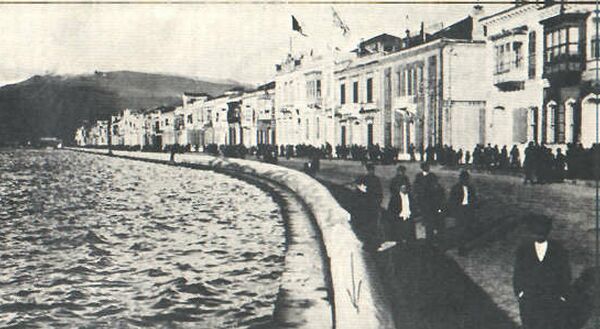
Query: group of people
541, 276
414, 209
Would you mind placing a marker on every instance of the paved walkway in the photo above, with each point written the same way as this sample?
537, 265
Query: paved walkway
465, 292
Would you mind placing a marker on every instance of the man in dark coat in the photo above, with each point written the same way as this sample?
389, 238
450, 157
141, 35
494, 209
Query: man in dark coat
401, 213
541, 278
399, 180
462, 202
367, 209
429, 196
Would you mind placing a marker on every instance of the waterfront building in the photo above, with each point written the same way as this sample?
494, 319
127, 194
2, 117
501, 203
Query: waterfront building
304, 100
193, 119
130, 128
98, 133
168, 125
258, 115
81, 136
414, 90
224, 114
542, 66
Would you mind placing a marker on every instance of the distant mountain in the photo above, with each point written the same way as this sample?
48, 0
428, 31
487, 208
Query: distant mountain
54, 106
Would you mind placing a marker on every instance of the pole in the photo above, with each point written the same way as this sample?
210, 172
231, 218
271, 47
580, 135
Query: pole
109, 133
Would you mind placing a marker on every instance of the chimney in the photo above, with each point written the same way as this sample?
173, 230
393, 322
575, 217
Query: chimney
407, 38
476, 14
422, 32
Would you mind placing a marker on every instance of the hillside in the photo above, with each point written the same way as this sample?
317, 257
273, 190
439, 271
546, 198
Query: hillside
55, 105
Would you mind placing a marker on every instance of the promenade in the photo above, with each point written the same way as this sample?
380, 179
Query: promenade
434, 288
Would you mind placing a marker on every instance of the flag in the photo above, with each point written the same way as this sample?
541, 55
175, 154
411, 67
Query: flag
296, 26
337, 21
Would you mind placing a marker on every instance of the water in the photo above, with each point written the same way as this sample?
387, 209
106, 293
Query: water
94, 242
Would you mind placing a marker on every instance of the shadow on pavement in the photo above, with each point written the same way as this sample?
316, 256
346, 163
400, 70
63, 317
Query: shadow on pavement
428, 289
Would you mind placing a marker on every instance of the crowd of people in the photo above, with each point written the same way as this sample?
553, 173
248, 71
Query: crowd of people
541, 275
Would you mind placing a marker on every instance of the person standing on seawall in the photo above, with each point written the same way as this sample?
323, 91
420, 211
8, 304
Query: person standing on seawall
429, 196
462, 203
541, 278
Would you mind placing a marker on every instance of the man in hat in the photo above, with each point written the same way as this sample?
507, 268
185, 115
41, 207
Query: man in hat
541, 277
368, 206
429, 196
462, 202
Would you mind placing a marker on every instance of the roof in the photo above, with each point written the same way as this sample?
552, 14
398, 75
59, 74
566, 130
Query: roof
384, 37
462, 29
196, 94
267, 86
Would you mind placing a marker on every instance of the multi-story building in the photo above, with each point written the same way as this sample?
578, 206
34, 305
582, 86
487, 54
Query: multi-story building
542, 67
414, 90
193, 119
258, 115
304, 100
82, 136
98, 133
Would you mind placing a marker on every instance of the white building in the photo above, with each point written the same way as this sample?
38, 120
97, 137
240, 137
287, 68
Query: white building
542, 67
304, 100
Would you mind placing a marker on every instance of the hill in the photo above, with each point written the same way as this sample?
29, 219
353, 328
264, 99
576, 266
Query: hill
53, 105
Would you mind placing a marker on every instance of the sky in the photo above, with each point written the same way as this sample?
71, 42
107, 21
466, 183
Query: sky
242, 42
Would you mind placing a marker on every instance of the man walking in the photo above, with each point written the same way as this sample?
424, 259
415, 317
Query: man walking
462, 204
429, 196
542, 276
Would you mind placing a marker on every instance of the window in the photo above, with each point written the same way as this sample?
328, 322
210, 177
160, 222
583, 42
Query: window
355, 91
595, 51
398, 82
415, 81
518, 54
318, 88
343, 93
370, 90
190, 119
562, 42
318, 128
166, 122
307, 130
403, 83
409, 84
531, 48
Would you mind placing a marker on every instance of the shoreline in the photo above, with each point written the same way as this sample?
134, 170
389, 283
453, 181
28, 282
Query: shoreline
345, 269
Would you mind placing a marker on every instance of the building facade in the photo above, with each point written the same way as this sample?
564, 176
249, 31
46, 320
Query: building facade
542, 67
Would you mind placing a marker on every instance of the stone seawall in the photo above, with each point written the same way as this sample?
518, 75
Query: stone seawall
358, 301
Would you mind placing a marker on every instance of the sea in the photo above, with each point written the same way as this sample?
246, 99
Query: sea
89, 241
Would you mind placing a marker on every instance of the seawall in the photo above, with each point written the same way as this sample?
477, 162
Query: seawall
355, 300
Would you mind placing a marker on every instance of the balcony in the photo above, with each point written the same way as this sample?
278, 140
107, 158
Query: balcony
564, 69
511, 75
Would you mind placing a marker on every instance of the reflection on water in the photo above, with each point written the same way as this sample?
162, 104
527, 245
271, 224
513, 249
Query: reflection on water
97, 242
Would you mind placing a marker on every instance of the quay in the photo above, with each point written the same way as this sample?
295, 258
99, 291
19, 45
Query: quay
329, 281
422, 287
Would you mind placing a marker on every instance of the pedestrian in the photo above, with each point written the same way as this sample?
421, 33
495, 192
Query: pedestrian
560, 163
399, 180
401, 218
529, 163
462, 202
367, 209
411, 152
515, 161
541, 278
429, 198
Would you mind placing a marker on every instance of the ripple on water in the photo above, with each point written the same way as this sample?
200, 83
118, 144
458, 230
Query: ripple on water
97, 242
